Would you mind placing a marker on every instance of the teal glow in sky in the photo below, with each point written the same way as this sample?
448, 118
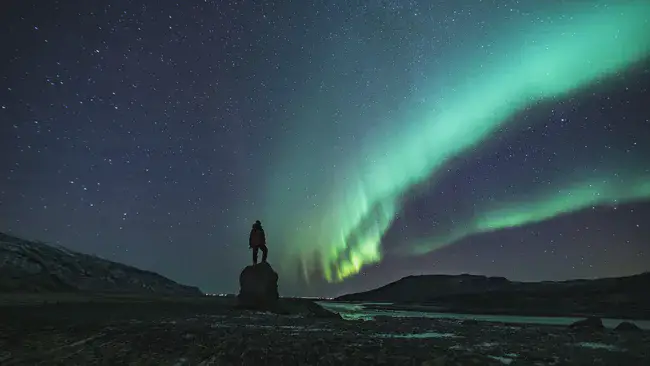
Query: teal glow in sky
338, 229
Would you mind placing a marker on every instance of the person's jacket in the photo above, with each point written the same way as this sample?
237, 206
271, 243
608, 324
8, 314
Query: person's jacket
257, 237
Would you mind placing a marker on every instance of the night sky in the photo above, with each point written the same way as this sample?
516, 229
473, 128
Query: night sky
374, 139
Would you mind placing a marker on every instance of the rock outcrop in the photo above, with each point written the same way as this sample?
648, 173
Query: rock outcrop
591, 323
627, 327
28, 266
304, 307
258, 287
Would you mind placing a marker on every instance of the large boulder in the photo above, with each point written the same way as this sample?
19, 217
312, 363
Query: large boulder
258, 287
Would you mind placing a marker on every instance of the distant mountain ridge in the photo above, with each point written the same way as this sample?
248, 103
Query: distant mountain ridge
30, 266
427, 287
615, 297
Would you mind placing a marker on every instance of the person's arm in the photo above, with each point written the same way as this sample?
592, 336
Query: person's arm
250, 239
263, 237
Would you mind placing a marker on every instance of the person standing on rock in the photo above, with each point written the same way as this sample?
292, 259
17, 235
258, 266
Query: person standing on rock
257, 241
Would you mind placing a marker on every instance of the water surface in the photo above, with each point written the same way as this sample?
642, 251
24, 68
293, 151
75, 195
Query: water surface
360, 311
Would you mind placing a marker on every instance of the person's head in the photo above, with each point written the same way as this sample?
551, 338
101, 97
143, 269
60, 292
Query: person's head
257, 224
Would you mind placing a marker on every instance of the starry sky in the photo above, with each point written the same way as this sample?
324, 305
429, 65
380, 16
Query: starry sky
374, 139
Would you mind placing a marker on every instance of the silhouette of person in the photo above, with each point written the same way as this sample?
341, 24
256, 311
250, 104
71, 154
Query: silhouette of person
257, 241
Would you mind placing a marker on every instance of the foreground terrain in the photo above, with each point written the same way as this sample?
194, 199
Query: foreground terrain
211, 331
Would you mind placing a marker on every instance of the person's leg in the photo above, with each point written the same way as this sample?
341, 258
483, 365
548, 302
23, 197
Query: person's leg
255, 255
265, 252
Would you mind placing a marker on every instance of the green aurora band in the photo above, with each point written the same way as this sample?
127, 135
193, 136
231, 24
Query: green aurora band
582, 44
607, 188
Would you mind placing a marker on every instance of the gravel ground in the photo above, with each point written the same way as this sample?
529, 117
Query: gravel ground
209, 333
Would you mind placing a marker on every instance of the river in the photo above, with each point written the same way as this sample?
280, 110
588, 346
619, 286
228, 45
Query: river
360, 311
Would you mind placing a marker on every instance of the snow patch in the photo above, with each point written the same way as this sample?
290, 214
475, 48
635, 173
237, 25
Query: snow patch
503, 360
596, 345
417, 335
487, 345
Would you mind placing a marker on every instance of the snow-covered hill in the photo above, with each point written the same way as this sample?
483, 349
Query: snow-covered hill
28, 266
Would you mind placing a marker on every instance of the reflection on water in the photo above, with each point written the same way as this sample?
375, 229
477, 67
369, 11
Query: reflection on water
343, 308
360, 312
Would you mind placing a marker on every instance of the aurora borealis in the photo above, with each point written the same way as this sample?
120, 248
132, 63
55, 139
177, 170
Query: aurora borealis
577, 47
374, 138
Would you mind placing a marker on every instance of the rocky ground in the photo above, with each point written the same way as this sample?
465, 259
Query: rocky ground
212, 332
